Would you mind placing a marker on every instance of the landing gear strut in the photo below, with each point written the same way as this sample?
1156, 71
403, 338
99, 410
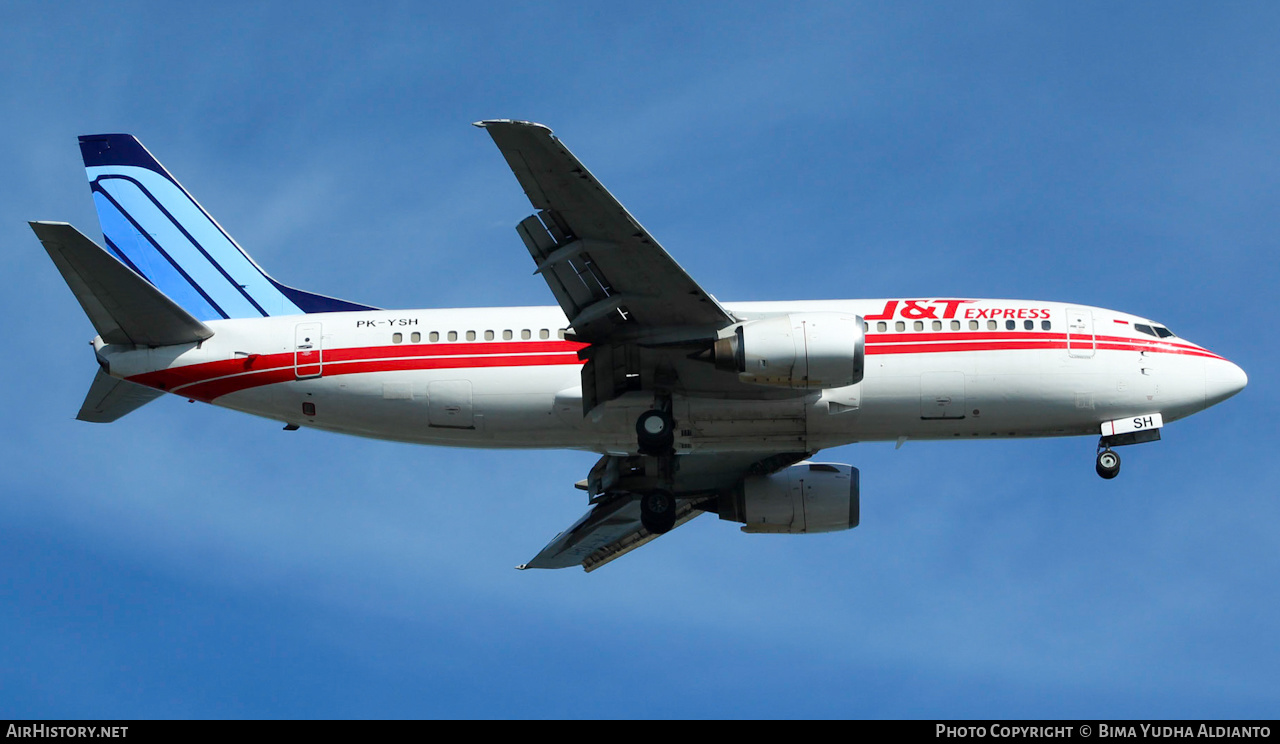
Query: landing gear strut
656, 436
1108, 464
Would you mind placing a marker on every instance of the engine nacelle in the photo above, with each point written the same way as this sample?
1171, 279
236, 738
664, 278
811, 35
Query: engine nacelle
812, 351
807, 497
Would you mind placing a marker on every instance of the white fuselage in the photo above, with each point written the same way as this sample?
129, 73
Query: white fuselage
505, 377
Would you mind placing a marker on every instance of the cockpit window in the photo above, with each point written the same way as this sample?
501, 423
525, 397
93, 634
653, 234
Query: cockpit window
1157, 331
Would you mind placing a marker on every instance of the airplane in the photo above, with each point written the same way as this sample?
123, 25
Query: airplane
694, 406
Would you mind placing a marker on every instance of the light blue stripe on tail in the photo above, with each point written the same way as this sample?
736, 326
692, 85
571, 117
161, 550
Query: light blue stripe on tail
155, 226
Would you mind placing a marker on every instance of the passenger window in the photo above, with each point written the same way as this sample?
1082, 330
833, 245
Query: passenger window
560, 333
488, 335
991, 325
526, 334
1029, 325
506, 335
882, 326
973, 325
416, 337
866, 327
471, 335
434, 337
453, 335
1009, 325
901, 325
955, 325
918, 325
1045, 325
397, 338
937, 325
544, 334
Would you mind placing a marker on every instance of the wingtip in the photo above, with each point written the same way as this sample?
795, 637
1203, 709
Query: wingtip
486, 123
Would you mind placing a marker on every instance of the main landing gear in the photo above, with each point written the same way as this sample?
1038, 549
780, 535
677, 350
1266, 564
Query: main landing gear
655, 432
655, 437
1108, 464
658, 511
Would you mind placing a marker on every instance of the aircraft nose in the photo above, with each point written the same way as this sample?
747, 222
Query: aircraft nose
1222, 379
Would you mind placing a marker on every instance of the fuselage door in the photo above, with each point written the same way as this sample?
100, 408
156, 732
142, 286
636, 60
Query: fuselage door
1080, 332
308, 351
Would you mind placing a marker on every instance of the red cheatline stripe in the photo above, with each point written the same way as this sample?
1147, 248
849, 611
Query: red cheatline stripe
169, 379
214, 388
954, 336
958, 337
902, 348
451, 349
1180, 351
962, 346
210, 380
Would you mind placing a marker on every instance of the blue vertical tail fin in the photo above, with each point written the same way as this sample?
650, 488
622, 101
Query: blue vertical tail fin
159, 230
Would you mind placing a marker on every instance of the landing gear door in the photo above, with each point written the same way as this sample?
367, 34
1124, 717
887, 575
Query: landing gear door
308, 350
1080, 342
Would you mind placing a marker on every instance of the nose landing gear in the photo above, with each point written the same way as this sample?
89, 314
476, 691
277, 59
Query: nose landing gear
1136, 430
1108, 464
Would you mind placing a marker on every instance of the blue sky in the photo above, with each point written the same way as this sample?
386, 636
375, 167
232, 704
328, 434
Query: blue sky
192, 562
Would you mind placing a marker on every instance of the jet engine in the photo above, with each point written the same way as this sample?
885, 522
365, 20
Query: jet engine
811, 351
807, 497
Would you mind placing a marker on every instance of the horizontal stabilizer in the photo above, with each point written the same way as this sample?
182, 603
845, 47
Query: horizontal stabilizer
108, 399
124, 307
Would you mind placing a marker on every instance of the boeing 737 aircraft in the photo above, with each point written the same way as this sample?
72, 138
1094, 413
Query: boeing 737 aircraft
694, 405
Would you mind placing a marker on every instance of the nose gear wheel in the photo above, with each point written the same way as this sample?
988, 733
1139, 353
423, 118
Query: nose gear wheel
1108, 465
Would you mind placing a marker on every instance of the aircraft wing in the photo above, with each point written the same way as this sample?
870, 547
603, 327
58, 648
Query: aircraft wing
612, 527
613, 280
